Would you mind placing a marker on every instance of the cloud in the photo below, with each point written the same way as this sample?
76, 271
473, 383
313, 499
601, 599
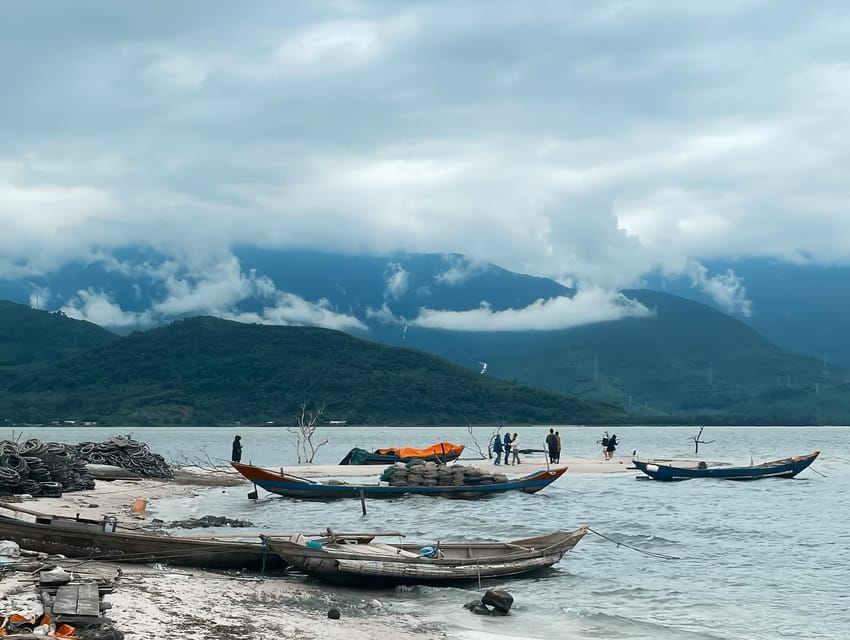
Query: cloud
589, 142
210, 285
396, 281
460, 270
384, 315
39, 297
290, 309
99, 308
585, 307
726, 289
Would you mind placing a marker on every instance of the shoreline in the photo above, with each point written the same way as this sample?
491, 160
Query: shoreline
161, 601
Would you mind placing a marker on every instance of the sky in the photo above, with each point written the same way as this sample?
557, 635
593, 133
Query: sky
590, 142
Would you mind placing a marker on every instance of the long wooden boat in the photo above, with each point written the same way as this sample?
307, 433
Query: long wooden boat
360, 561
100, 540
785, 468
442, 452
290, 486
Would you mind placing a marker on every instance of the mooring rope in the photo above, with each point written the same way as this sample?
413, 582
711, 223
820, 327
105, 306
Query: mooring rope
652, 554
818, 472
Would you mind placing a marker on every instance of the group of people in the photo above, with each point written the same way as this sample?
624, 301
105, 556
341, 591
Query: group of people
509, 446
609, 445
553, 444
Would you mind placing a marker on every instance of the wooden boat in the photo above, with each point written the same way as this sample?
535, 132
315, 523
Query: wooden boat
290, 486
358, 560
100, 540
785, 468
442, 452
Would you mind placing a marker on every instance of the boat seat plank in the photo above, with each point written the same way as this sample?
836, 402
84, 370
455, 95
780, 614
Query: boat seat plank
88, 600
66, 600
77, 600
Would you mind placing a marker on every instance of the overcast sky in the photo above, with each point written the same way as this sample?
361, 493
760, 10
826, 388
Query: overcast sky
591, 142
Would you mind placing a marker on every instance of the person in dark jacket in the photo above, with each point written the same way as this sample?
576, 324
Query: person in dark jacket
507, 448
236, 452
497, 448
611, 447
552, 445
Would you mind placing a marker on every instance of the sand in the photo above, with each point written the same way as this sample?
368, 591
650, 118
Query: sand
190, 604
163, 602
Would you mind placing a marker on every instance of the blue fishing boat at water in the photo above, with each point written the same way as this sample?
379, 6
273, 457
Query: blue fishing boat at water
290, 486
784, 468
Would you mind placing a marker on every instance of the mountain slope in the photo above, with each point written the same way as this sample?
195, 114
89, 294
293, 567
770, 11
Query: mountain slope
30, 336
206, 370
687, 359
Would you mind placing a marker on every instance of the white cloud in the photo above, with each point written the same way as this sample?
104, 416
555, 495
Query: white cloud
396, 281
384, 315
585, 307
99, 308
39, 297
726, 289
460, 270
290, 309
589, 142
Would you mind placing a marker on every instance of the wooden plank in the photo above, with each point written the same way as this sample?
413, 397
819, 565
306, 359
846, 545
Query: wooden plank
66, 600
88, 600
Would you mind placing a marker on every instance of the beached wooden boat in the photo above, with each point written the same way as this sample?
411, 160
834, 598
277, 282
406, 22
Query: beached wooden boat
358, 560
101, 540
785, 468
442, 452
290, 486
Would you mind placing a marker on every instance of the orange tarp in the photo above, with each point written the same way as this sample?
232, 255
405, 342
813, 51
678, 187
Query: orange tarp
440, 449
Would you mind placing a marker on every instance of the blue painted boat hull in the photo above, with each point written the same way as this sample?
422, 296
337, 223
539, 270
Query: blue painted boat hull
785, 468
290, 486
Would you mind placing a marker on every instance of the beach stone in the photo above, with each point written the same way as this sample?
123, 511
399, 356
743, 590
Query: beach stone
472, 604
481, 610
333, 613
375, 604
499, 599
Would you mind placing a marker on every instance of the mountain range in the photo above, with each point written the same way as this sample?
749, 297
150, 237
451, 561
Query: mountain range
679, 360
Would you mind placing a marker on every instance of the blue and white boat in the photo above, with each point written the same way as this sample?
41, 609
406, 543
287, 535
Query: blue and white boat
785, 468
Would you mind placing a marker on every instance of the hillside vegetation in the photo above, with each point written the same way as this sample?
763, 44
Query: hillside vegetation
205, 371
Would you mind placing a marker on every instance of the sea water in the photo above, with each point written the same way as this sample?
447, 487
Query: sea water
738, 560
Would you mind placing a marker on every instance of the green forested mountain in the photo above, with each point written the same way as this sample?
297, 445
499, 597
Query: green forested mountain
686, 360
30, 336
205, 370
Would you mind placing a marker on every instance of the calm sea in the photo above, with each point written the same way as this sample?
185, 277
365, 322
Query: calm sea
763, 560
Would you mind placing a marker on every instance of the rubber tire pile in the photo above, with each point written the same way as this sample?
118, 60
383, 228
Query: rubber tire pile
128, 454
41, 468
417, 473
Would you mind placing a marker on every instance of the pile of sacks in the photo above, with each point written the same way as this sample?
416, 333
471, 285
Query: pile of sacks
418, 473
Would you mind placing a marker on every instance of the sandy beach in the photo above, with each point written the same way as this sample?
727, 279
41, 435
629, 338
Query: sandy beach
161, 601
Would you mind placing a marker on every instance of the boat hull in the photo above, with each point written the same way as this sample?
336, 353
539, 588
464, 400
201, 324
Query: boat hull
495, 561
785, 468
292, 487
86, 539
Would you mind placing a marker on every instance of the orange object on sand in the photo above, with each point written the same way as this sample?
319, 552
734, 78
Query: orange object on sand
440, 450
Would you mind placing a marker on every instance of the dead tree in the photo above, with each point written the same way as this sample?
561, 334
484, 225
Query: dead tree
698, 442
306, 423
477, 444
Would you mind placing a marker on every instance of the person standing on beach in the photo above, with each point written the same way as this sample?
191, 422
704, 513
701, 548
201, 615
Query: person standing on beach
515, 449
611, 447
497, 448
558, 446
604, 442
507, 448
236, 452
552, 446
